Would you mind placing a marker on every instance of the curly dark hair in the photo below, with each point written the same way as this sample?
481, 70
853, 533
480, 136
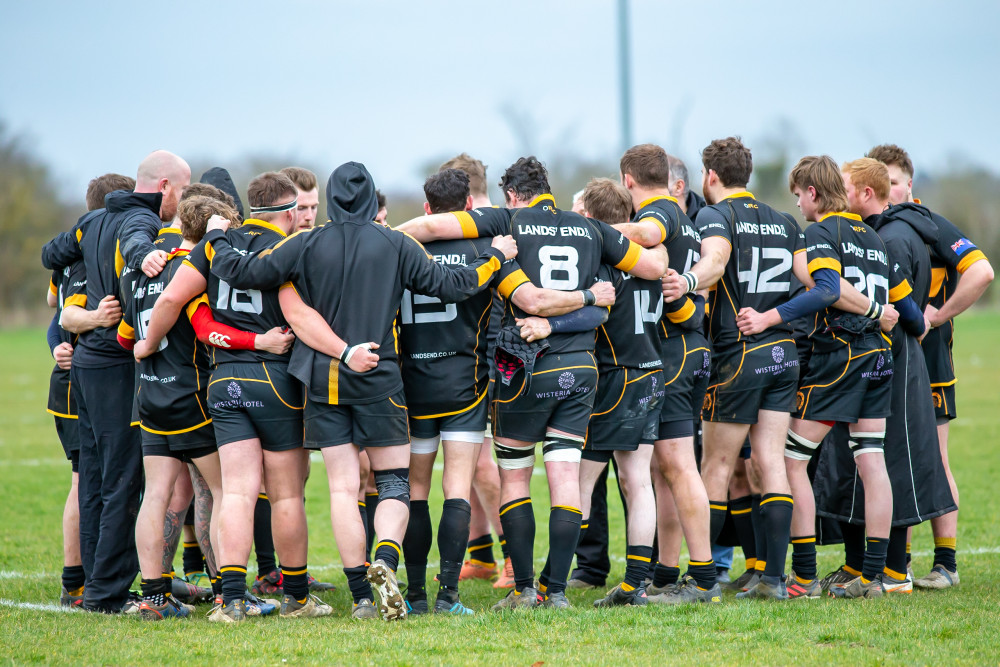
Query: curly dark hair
730, 159
447, 190
527, 178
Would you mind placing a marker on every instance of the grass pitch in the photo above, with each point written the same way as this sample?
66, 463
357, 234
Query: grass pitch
958, 626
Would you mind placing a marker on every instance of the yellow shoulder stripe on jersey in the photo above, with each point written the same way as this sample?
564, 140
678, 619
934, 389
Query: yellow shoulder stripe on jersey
79, 235
486, 271
745, 193
684, 313
970, 259
52, 287
646, 202
76, 300
168, 230
288, 285
119, 260
265, 225
209, 253
468, 225
663, 230
194, 303
631, 257
900, 291
542, 198
188, 264
126, 331
938, 276
824, 263
511, 283
843, 214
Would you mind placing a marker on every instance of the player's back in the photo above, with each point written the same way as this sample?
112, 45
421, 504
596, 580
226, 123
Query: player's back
443, 345
759, 272
630, 337
248, 310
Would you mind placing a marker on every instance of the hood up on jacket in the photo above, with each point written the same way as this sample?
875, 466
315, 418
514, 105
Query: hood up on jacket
122, 200
350, 195
221, 179
916, 216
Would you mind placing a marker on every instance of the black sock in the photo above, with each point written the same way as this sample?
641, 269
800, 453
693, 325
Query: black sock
703, 573
357, 581
452, 537
717, 514
503, 546
637, 558
518, 520
564, 535
155, 590
895, 557
759, 533
389, 552
416, 546
481, 550
804, 557
371, 502
854, 547
216, 585
295, 582
875, 552
263, 540
741, 509
72, 579
908, 558
776, 515
234, 582
944, 553
193, 559
664, 575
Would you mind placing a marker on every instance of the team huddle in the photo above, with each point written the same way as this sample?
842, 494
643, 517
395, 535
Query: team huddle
752, 383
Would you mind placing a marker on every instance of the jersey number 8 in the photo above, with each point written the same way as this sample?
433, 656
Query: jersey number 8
559, 267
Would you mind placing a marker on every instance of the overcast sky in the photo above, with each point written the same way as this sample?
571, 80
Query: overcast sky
96, 86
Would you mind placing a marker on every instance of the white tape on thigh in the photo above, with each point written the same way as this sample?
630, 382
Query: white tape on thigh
472, 437
424, 445
514, 458
566, 455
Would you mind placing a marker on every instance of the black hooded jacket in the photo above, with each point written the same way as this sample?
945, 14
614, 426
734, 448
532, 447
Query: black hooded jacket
353, 272
694, 204
221, 179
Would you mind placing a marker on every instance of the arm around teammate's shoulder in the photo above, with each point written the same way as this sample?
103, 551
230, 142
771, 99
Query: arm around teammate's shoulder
422, 275
267, 269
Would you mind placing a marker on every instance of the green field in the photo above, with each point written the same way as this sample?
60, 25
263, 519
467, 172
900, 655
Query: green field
960, 626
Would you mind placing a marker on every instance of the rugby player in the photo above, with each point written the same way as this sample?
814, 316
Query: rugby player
747, 255
562, 251
849, 373
485, 501
645, 172
960, 273
257, 409
445, 378
361, 405
910, 445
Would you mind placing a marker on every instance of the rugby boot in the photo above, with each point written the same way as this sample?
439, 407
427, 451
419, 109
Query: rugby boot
619, 597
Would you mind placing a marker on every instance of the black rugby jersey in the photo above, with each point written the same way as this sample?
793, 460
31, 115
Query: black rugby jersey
353, 274
173, 381
758, 274
443, 345
66, 284
556, 249
843, 243
683, 243
168, 239
248, 310
630, 338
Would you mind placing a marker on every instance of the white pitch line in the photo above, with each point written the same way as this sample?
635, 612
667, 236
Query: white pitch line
34, 606
33, 463
9, 574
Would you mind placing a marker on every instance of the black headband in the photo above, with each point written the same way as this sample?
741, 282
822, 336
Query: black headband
277, 208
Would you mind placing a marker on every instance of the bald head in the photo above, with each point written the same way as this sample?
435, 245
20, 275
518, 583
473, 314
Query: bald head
166, 173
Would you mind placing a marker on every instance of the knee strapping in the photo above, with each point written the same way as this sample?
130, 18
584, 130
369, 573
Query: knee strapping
798, 448
867, 443
514, 458
393, 485
562, 448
